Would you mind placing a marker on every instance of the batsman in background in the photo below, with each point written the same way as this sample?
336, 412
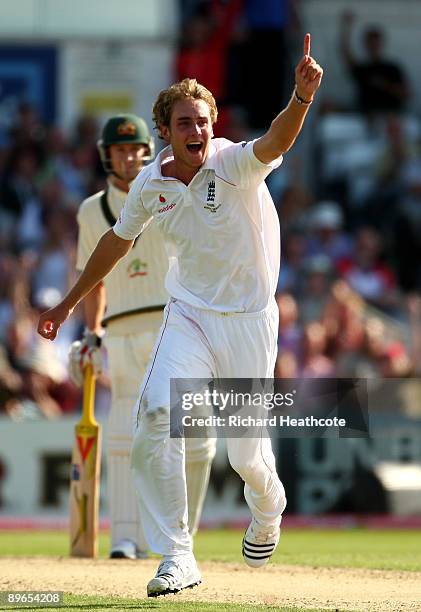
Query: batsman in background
130, 303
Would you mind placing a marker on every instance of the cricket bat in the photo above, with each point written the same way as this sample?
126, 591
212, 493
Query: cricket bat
84, 476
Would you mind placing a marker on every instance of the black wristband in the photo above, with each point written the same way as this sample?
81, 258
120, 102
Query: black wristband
301, 100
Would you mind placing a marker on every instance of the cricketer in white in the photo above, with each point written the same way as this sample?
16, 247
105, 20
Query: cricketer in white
130, 303
222, 236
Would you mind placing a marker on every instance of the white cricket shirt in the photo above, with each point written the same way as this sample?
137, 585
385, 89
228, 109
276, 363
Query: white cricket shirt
138, 280
221, 231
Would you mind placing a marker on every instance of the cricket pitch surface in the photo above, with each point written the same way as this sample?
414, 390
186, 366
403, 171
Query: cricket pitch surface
361, 590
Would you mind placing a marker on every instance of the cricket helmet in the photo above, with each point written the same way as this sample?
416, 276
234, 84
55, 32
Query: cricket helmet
124, 129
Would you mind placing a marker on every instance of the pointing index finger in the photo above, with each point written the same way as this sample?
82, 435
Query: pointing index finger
307, 41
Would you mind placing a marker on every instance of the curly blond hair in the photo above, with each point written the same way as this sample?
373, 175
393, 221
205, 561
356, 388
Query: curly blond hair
185, 89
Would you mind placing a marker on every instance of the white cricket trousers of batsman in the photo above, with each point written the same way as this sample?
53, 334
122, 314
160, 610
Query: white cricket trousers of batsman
129, 342
196, 343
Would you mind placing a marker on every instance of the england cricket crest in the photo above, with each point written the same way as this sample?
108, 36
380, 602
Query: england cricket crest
210, 200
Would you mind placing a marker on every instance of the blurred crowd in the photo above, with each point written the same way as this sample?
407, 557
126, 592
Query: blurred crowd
45, 175
350, 282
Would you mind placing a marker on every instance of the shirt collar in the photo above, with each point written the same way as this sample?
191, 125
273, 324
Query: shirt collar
210, 160
116, 197
167, 153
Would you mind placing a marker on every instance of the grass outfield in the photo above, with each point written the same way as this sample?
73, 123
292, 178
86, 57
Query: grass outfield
357, 548
85, 603
389, 549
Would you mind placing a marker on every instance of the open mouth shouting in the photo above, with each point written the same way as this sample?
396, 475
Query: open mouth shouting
194, 147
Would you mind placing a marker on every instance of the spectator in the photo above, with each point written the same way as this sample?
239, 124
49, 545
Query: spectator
35, 363
343, 312
293, 254
327, 236
315, 362
389, 178
204, 45
11, 384
286, 365
8, 269
364, 358
407, 228
293, 205
86, 134
367, 274
395, 362
381, 84
318, 276
289, 337
54, 263
350, 329
19, 206
77, 173
27, 130
414, 314
267, 23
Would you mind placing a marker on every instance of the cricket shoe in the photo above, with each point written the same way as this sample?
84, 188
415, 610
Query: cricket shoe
174, 574
127, 549
259, 543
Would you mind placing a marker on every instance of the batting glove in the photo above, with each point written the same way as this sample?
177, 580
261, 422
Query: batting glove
84, 352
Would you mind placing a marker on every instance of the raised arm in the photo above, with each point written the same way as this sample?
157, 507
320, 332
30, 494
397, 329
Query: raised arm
109, 250
287, 125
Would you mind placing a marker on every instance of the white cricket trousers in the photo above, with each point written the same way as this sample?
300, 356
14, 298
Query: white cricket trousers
196, 343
